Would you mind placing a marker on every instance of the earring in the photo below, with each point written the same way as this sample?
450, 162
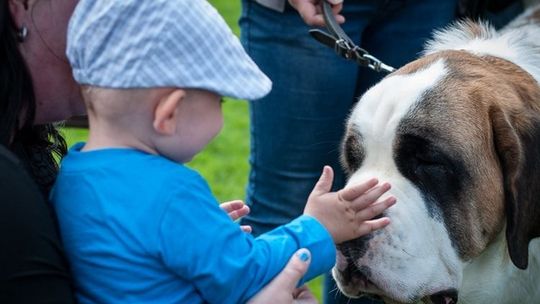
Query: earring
22, 33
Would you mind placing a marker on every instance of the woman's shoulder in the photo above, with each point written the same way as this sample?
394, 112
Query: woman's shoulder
13, 176
21, 203
30, 243
6, 157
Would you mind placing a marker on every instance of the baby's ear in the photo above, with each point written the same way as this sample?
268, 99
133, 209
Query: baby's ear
166, 114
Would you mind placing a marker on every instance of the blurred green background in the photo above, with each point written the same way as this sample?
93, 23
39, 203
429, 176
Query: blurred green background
224, 163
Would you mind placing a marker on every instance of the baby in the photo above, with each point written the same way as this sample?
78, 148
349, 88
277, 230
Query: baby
139, 226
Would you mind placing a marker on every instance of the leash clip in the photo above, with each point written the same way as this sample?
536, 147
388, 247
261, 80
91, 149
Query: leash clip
344, 46
377, 65
343, 49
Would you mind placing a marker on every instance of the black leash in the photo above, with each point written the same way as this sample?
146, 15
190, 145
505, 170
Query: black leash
343, 44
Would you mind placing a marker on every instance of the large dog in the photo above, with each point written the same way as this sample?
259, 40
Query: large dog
457, 134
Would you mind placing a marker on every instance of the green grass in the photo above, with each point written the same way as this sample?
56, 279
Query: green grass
224, 163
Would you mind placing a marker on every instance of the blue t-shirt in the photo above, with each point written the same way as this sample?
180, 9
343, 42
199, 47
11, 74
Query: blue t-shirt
139, 228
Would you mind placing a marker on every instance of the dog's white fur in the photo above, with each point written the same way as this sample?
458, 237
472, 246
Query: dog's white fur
378, 122
518, 42
492, 278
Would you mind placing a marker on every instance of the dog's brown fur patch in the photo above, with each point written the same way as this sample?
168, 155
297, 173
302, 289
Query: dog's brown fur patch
474, 88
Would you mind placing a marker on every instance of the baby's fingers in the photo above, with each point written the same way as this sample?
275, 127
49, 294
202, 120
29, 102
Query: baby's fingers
352, 192
375, 209
369, 226
363, 201
235, 209
231, 205
325, 182
239, 213
246, 228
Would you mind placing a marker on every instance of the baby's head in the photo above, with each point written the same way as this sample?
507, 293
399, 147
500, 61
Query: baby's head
176, 123
158, 69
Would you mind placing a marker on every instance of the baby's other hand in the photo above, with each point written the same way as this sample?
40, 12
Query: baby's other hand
348, 213
237, 209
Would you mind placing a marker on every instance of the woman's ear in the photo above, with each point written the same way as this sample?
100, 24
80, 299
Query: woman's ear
19, 11
166, 114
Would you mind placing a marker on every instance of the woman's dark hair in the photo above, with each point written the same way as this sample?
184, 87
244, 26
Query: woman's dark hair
36, 146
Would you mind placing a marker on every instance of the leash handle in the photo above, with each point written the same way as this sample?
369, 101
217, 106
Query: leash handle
332, 25
343, 44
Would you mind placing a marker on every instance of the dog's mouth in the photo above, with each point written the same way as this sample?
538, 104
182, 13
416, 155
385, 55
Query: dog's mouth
356, 283
449, 296
444, 297
363, 284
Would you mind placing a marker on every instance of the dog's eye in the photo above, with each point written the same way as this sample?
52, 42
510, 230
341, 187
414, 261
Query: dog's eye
430, 163
425, 163
352, 153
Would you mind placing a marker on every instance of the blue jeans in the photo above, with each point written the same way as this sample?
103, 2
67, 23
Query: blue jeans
297, 128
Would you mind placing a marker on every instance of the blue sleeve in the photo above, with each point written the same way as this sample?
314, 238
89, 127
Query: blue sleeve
201, 244
303, 232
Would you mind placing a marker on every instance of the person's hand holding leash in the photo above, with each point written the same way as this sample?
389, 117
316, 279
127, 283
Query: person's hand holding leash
312, 13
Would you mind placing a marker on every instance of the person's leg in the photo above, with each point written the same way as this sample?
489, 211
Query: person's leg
297, 128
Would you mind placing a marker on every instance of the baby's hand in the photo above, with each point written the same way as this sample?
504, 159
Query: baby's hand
347, 214
236, 209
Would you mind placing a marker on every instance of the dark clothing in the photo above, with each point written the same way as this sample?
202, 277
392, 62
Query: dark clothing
497, 12
32, 264
37, 159
478, 8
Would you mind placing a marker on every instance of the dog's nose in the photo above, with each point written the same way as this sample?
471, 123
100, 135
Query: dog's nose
351, 272
449, 296
354, 249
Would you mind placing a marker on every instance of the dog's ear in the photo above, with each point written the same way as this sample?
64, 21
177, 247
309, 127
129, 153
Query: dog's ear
517, 143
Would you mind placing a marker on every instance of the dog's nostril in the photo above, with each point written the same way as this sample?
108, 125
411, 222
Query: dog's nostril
351, 272
449, 296
356, 248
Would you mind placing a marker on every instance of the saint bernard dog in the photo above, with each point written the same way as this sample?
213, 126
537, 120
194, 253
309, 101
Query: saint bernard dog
457, 134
